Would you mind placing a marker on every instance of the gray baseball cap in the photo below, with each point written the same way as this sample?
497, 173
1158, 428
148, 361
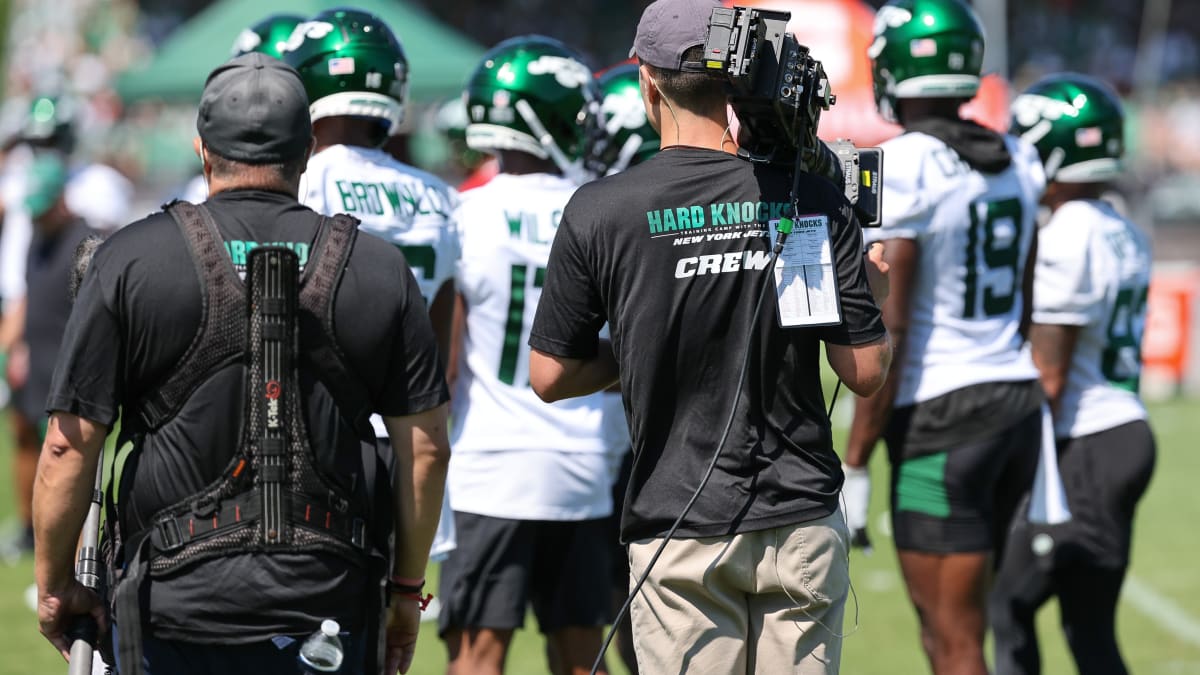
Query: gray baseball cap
254, 110
669, 28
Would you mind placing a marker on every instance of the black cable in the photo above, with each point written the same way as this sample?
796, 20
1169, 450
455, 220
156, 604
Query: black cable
833, 400
712, 464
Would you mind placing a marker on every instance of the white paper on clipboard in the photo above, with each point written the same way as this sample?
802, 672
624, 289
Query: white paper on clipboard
805, 278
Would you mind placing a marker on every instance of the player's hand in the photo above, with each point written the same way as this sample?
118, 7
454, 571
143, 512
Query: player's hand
58, 609
857, 492
877, 272
403, 624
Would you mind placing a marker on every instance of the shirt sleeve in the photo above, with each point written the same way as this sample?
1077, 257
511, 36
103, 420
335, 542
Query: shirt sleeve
415, 381
861, 319
87, 376
571, 311
1063, 290
907, 209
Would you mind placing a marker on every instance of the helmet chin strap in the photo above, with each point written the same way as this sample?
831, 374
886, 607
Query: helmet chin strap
1054, 162
572, 170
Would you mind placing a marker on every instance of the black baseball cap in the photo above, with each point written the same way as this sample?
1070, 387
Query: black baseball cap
669, 28
254, 110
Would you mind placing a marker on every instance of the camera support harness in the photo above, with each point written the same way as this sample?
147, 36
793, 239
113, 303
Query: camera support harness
273, 496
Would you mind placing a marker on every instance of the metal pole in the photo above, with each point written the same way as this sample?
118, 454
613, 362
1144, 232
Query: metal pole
87, 571
994, 15
1147, 64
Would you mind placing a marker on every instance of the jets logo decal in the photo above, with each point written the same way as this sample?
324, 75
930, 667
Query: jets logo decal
314, 30
623, 110
567, 71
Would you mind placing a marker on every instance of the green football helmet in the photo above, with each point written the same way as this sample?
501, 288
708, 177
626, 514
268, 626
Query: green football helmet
1077, 125
925, 49
535, 95
450, 121
267, 36
628, 137
351, 65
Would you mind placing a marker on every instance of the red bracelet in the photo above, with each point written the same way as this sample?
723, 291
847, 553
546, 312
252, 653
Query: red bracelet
422, 602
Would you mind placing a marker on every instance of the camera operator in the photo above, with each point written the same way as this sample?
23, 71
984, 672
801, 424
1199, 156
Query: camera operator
674, 254
234, 596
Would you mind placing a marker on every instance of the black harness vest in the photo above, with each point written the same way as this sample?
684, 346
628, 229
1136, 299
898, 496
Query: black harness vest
272, 497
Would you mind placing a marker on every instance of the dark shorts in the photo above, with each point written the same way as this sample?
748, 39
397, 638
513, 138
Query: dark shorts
503, 566
961, 464
1105, 474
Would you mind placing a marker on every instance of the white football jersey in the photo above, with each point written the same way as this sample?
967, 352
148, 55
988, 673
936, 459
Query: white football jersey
514, 456
396, 202
974, 231
1093, 271
402, 205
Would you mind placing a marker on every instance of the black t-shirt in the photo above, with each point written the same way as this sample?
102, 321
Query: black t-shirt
136, 314
673, 254
48, 303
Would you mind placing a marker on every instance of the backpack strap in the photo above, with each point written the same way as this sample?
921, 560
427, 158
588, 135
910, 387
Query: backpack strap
221, 336
319, 285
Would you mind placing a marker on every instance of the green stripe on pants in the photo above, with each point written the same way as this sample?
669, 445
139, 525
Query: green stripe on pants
921, 485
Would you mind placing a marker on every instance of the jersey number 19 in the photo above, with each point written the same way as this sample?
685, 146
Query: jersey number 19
989, 221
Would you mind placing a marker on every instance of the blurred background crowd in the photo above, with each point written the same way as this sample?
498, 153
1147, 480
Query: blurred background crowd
133, 71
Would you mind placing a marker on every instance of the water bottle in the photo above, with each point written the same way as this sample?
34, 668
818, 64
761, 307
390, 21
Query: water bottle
322, 651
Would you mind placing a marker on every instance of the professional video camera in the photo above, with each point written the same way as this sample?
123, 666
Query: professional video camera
778, 91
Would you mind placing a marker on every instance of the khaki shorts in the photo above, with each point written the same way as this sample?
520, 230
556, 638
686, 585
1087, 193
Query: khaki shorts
760, 602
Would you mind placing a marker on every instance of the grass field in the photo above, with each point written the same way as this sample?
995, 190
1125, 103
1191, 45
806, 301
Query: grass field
1159, 618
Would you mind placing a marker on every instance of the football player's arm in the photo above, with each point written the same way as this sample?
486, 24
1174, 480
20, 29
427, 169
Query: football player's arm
1053, 347
458, 334
441, 315
12, 323
554, 378
871, 412
1027, 286
14, 356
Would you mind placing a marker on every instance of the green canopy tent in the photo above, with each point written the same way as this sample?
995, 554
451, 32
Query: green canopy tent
440, 58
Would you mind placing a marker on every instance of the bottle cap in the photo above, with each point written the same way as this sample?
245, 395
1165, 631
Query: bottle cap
330, 627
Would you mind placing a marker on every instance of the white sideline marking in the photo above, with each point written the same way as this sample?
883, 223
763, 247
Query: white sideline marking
1170, 616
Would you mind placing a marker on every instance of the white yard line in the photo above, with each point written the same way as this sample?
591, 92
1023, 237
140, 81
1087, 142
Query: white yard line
1161, 610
